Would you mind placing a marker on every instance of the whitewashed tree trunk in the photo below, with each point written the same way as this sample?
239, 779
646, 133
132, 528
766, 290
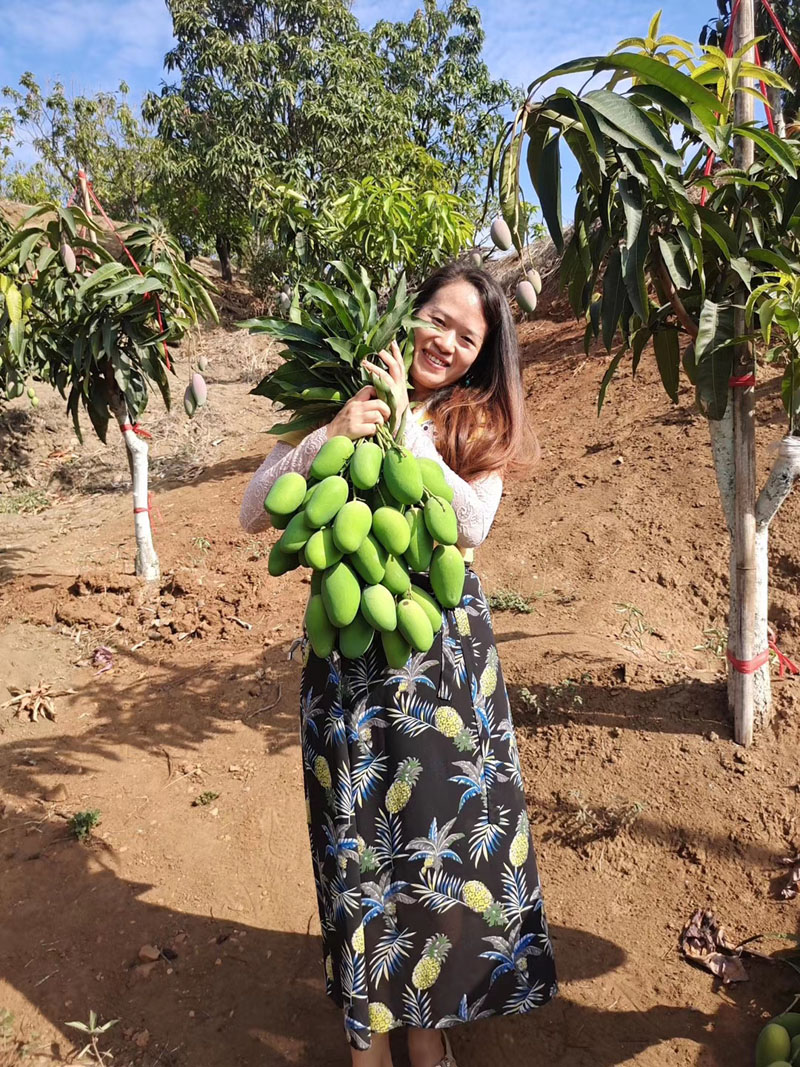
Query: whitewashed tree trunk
146, 565
785, 471
775, 98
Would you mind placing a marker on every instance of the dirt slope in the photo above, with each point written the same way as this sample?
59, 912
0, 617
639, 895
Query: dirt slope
642, 806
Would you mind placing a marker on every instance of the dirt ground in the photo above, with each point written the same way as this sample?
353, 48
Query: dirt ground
194, 924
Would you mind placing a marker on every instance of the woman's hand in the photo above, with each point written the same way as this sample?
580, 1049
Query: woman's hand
392, 377
361, 415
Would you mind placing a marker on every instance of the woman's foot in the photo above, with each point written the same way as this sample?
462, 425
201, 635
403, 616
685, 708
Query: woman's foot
378, 1055
426, 1048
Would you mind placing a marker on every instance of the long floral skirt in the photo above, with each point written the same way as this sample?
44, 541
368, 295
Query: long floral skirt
428, 889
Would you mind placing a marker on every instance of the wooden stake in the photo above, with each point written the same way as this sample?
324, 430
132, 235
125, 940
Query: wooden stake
742, 623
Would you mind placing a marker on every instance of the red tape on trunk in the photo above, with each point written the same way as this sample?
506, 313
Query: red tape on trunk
742, 381
137, 429
750, 666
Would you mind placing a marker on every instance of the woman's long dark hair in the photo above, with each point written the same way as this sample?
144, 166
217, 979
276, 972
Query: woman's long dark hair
480, 421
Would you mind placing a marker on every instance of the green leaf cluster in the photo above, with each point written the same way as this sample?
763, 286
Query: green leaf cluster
645, 258
73, 315
327, 336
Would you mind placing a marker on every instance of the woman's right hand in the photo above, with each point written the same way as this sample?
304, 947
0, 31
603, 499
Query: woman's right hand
361, 415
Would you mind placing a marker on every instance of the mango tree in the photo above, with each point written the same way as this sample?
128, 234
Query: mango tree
97, 328
662, 252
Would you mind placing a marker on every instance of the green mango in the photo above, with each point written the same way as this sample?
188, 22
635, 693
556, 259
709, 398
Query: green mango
320, 630
434, 480
402, 476
369, 560
420, 547
396, 578
296, 534
321, 550
355, 638
286, 495
365, 466
280, 562
414, 624
441, 521
341, 594
316, 582
378, 607
431, 607
773, 1044
352, 524
280, 522
331, 494
790, 1021
391, 529
309, 493
331, 457
396, 649
447, 575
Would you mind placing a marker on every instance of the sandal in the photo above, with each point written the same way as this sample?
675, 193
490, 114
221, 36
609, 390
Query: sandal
448, 1060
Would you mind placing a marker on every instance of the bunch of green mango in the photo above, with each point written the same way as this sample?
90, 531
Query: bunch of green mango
369, 516
778, 1043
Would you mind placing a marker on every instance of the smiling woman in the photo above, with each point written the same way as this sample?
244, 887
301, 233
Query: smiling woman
430, 905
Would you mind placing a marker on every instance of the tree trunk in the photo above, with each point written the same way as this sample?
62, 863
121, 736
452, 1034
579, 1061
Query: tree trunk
784, 473
742, 620
775, 97
146, 565
224, 253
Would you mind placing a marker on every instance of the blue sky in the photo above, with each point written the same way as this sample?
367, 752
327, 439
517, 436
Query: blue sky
95, 44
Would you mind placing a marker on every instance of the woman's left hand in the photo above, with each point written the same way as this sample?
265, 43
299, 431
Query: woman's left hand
392, 377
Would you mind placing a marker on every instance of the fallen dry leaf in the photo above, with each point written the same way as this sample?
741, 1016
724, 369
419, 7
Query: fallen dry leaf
36, 701
703, 941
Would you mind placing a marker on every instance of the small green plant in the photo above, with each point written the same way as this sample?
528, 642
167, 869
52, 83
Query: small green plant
26, 502
205, 798
509, 600
634, 625
584, 823
6, 1024
82, 823
563, 695
201, 543
94, 1032
257, 549
715, 642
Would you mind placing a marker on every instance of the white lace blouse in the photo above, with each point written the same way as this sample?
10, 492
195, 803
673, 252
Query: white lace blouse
475, 503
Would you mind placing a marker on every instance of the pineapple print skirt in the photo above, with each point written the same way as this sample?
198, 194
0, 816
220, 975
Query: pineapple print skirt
428, 889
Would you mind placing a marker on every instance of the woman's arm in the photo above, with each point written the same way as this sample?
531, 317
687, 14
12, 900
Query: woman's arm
475, 503
281, 459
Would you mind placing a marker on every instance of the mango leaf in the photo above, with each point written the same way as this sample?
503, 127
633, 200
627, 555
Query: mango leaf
772, 145
690, 363
99, 277
638, 344
790, 389
714, 356
677, 108
508, 189
613, 297
547, 183
609, 374
625, 115
674, 260
654, 71
668, 358
132, 286
791, 200
719, 231
13, 304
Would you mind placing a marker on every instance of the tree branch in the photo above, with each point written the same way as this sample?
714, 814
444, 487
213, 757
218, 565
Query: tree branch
681, 313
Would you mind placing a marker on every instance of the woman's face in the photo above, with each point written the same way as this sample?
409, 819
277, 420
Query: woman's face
444, 355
